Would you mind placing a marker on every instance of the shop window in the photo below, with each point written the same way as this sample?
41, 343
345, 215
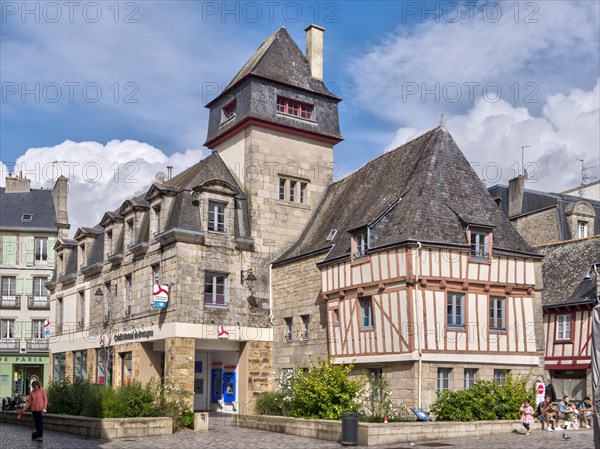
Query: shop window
59, 367
104, 365
80, 366
126, 368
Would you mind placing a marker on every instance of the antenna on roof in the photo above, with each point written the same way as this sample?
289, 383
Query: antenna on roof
584, 176
523, 160
442, 121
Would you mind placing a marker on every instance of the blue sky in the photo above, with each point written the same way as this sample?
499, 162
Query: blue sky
115, 91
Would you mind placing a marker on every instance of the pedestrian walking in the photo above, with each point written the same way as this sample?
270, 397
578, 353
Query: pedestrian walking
527, 416
37, 402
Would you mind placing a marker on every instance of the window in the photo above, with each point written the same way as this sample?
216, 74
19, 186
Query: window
582, 229
41, 251
80, 366
293, 190
377, 386
59, 367
126, 360
9, 288
479, 245
37, 330
26, 217
81, 309
109, 242
215, 289
497, 305
500, 376
360, 242
282, 182
470, 377
305, 326
228, 112
59, 314
104, 365
443, 379
216, 216
156, 211
289, 328
155, 275
303, 186
128, 295
7, 329
130, 232
295, 108
366, 309
455, 312
336, 317
40, 292
563, 327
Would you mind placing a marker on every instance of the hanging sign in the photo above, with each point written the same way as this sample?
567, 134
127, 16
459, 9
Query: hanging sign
160, 296
47, 328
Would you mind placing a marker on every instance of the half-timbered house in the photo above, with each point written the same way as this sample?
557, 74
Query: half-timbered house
408, 269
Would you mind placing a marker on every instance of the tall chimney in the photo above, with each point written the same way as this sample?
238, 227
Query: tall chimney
17, 184
169, 171
59, 195
314, 50
516, 188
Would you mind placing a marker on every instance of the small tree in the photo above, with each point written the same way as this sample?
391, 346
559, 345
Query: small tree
376, 402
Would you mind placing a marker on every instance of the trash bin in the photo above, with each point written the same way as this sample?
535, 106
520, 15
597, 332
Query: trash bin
349, 429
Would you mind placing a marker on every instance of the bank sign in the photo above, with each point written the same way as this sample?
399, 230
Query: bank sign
160, 296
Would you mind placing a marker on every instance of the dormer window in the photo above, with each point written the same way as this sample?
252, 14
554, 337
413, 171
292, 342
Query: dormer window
216, 216
360, 244
295, 108
228, 112
479, 240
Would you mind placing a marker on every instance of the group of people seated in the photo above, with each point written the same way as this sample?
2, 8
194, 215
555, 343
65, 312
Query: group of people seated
573, 414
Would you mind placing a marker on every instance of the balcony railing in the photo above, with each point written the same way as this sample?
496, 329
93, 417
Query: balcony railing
9, 344
37, 344
38, 302
10, 302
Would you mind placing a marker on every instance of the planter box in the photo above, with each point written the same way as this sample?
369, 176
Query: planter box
107, 428
375, 434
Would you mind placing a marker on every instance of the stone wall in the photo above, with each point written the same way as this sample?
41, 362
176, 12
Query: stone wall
179, 364
256, 360
538, 228
375, 434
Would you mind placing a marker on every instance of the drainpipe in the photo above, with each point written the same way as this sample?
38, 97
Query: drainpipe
419, 322
271, 317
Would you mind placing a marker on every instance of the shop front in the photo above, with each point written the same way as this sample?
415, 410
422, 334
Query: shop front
18, 371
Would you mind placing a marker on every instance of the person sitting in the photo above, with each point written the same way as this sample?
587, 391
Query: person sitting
571, 417
586, 411
547, 413
563, 407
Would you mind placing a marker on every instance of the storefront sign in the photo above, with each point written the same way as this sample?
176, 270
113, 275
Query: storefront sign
23, 359
135, 335
160, 296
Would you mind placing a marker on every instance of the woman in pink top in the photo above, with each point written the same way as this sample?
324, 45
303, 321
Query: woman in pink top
527, 416
37, 402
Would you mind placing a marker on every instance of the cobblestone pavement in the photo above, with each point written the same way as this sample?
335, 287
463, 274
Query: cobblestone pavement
222, 435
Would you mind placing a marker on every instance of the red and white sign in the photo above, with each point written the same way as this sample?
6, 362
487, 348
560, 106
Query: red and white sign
223, 334
541, 389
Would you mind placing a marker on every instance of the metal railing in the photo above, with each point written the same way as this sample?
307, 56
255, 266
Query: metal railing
38, 302
10, 302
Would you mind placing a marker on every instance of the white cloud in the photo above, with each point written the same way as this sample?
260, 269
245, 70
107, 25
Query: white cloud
491, 136
100, 176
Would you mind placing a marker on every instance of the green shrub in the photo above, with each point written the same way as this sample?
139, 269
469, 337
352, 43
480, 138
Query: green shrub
187, 419
270, 403
92, 403
131, 401
486, 400
67, 398
324, 391
376, 403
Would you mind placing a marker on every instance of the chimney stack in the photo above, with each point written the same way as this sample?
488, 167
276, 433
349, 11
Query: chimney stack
17, 184
59, 195
314, 50
169, 171
516, 189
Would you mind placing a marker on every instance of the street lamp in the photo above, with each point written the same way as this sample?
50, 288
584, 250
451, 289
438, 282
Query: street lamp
249, 279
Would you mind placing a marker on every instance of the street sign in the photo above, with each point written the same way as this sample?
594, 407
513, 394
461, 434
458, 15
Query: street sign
160, 295
541, 389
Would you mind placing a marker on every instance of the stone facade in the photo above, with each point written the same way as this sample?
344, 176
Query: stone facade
540, 227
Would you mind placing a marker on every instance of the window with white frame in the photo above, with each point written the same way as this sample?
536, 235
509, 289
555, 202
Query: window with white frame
305, 326
282, 183
480, 244
443, 379
128, 295
500, 376
37, 329
455, 311
366, 311
40, 292
293, 190
582, 229
360, 243
289, 328
303, 192
470, 377
563, 327
215, 289
216, 216
155, 275
40, 251
7, 329
497, 306
9, 288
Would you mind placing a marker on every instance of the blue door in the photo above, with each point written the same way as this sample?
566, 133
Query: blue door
216, 381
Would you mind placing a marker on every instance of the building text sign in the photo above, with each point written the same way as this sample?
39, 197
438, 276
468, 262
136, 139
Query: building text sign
135, 335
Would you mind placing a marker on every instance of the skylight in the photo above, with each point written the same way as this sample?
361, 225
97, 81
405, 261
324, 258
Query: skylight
26, 217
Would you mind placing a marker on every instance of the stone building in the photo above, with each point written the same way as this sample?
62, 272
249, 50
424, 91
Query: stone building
30, 222
408, 270
564, 227
207, 237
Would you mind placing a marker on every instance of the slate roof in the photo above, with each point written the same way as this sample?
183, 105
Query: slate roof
279, 59
37, 202
534, 201
423, 191
565, 267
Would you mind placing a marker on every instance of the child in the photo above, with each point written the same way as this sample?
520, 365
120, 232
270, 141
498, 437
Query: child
571, 417
527, 416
